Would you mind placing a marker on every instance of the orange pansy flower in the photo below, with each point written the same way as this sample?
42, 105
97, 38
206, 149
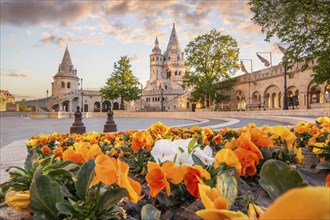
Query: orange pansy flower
124, 181
108, 170
142, 139
70, 154
211, 197
246, 143
158, 177
229, 158
309, 203
259, 138
58, 152
158, 128
248, 160
327, 181
217, 139
193, 176
45, 150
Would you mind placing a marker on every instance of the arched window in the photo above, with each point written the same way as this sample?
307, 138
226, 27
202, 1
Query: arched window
63, 85
315, 94
157, 58
327, 93
68, 85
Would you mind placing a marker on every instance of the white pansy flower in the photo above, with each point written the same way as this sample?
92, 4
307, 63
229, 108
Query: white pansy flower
205, 155
163, 150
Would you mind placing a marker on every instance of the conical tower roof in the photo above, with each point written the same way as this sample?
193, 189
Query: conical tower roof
66, 67
173, 45
156, 48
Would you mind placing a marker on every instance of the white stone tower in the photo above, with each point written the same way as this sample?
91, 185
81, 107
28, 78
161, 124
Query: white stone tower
163, 88
156, 62
174, 59
66, 79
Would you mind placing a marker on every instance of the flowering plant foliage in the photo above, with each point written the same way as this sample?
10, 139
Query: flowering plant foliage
90, 173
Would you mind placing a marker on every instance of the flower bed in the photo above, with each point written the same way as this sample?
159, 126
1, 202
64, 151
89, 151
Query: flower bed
147, 174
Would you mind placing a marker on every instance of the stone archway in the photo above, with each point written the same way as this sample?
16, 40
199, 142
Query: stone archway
97, 107
256, 97
106, 105
240, 100
65, 106
56, 108
271, 95
115, 106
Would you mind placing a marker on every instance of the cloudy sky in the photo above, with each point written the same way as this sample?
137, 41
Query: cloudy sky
34, 35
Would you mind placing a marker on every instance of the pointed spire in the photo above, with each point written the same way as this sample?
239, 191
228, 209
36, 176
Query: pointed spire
173, 43
66, 67
156, 48
156, 43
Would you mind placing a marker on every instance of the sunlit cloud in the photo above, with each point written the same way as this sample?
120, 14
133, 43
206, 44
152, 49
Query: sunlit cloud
53, 38
135, 58
22, 13
14, 75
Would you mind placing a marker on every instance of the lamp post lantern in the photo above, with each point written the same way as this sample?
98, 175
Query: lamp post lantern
161, 99
141, 95
82, 96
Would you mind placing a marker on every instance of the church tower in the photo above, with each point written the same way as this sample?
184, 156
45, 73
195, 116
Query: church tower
173, 66
66, 79
156, 63
163, 88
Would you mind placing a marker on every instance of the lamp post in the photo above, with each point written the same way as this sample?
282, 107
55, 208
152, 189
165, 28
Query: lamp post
161, 99
82, 96
249, 77
141, 94
285, 98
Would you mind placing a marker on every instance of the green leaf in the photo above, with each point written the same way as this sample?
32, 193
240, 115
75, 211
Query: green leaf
60, 173
110, 198
44, 194
66, 208
276, 177
227, 185
149, 212
198, 161
191, 145
31, 160
84, 178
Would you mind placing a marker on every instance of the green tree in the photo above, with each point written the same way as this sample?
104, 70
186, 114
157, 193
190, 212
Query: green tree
122, 83
211, 59
303, 25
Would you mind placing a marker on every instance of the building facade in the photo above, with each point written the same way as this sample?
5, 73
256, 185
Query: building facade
7, 101
66, 94
163, 90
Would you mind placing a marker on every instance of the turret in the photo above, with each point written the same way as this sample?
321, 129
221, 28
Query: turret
66, 79
156, 62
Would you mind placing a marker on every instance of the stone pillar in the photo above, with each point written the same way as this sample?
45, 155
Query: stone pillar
78, 126
110, 125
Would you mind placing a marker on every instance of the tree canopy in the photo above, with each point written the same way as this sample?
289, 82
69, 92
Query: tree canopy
122, 83
211, 59
303, 25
